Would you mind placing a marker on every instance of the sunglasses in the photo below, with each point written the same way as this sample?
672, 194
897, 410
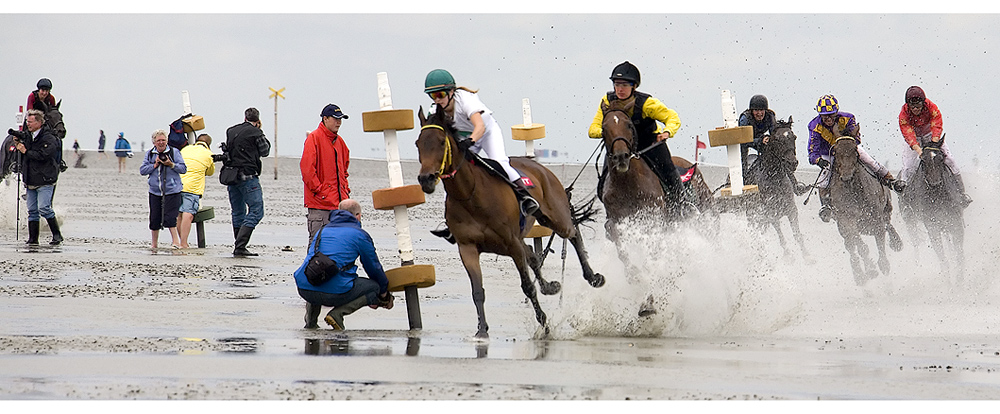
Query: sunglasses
915, 101
438, 95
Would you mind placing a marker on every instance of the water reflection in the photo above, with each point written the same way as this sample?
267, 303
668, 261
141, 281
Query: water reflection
345, 345
241, 345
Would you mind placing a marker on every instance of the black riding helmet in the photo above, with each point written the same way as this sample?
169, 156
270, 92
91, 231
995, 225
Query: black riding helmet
44, 83
758, 102
626, 71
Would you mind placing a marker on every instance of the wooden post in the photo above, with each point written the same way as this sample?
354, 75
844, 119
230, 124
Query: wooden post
275, 94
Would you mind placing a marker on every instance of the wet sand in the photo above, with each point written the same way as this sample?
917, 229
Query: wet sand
103, 317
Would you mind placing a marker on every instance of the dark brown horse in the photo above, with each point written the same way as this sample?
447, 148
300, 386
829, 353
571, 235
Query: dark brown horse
861, 205
933, 196
773, 173
632, 190
482, 212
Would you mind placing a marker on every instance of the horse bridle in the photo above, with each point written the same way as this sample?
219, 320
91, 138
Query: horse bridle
447, 158
629, 144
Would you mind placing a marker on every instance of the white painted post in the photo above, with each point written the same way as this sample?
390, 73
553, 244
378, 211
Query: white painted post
395, 173
733, 150
529, 145
19, 117
187, 110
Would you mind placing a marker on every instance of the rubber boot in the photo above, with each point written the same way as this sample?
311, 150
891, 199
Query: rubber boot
528, 203
825, 212
56, 235
236, 233
242, 238
335, 318
312, 316
33, 227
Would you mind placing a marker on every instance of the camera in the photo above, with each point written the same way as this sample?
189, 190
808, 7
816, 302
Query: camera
219, 157
22, 136
164, 156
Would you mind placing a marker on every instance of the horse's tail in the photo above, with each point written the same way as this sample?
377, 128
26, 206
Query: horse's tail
582, 212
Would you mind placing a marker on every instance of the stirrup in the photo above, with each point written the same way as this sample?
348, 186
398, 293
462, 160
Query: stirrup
825, 213
529, 206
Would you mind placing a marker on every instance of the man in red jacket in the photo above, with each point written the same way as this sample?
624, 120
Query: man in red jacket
324, 163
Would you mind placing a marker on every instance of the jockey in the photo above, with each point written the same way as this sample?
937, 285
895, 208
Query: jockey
920, 122
762, 120
830, 124
477, 128
41, 98
625, 79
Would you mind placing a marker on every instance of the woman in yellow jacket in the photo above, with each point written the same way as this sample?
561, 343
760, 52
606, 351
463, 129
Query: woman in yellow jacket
625, 78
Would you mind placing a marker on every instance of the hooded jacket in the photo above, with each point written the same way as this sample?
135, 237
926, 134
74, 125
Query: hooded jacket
171, 177
345, 242
324, 163
41, 162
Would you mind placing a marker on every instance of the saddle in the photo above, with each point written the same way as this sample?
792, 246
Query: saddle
493, 167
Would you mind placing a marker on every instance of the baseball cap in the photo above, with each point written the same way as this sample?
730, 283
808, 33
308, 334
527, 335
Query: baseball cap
334, 111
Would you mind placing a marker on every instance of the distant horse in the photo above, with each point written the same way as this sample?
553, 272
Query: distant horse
483, 215
934, 197
861, 205
773, 173
632, 190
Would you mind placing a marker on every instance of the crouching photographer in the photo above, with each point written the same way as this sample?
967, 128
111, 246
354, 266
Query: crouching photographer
328, 276
40, 171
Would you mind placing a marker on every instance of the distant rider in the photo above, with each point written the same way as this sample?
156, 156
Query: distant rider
830, 124
920, 122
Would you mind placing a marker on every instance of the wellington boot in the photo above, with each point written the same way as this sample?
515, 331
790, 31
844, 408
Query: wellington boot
242, 239
56, 235
312, 316
335, 318
33, 233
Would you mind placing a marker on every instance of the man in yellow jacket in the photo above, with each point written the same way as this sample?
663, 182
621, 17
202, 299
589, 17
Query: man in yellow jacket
198, 158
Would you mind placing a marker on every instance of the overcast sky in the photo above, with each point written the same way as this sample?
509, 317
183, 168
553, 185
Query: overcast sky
125, 72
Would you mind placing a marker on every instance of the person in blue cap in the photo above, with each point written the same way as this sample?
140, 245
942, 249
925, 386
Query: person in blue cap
324, 167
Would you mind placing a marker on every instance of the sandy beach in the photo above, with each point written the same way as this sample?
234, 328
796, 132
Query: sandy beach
103, 317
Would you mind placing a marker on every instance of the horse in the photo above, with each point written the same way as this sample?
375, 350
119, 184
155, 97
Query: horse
630, 189
934, 198
861, 205
773, 173
483, 214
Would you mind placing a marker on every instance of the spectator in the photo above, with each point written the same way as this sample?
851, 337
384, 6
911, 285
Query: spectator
164, 166
122, 150
40, 172
198, 158
344, 241
245, 146
100, 145
324, 163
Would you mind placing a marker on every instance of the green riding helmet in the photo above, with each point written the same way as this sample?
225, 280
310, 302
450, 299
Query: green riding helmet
438, 80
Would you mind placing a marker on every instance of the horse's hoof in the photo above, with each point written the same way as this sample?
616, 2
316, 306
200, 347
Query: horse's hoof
647, 312
550, 288
482, 335
597, 281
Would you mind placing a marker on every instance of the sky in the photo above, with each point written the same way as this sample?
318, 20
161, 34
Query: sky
124, 72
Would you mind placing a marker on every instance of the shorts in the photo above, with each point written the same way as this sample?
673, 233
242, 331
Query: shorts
190, 202
163, 211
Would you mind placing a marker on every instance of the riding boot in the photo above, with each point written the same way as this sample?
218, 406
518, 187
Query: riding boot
56, 235
33, 233
664, 168
444, 233
242, 239
335, 318
312, 316
894, 184
825, 212
528, 203
966, 200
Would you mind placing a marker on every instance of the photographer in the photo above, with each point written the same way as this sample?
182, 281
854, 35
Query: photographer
40, 171
164, 166
245, 146
200, 163
344, 241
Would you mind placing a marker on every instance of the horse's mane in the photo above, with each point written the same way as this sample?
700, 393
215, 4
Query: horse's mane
441, 119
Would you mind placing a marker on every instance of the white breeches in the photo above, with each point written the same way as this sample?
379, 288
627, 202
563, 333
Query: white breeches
911, 161
492, 145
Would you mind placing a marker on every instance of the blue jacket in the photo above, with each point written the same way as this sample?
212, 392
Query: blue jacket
170, 182
122, 147
344, 241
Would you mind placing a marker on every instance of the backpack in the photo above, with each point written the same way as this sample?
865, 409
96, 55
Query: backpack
176, 137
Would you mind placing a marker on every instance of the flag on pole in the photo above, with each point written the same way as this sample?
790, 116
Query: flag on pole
697, 146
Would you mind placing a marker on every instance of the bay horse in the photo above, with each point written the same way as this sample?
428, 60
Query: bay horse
861, 205
773, 173
483, 215
933, 195
630, 189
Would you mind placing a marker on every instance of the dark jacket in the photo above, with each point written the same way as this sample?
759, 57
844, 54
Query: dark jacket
41, 160
246, 145
345, 242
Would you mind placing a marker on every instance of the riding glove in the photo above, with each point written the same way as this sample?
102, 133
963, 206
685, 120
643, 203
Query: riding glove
823, 163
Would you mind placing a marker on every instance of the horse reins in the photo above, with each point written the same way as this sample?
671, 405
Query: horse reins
447, 158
